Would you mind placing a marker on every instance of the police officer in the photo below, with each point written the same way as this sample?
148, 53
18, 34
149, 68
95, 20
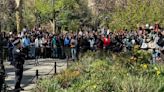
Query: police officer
2, 69
19, 59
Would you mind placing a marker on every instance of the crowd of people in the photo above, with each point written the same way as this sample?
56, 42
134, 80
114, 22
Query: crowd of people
39, 43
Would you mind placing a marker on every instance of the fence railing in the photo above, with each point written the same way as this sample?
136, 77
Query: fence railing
36, 77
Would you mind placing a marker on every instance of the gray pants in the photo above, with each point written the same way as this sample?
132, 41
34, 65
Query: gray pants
73, 53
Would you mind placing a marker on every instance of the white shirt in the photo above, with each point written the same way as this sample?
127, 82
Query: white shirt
91, 42
133, 41
108, 32
36, 43
80, 33
40, 42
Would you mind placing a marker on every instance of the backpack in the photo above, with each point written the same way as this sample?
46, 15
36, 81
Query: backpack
144, 46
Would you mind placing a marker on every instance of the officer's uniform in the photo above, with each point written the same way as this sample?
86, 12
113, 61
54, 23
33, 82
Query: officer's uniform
2, 69
18, 58
2, 76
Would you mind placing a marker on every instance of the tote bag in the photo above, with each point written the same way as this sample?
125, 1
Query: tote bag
144, 46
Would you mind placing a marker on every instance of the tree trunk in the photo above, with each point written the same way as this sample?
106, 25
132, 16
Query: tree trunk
19, 17
53, 26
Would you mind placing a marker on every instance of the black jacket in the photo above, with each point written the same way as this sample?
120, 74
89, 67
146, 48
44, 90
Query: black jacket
19, 58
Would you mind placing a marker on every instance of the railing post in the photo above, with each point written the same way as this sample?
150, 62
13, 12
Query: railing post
55, 70
37, 74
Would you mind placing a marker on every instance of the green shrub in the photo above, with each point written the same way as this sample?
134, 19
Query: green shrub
92, 74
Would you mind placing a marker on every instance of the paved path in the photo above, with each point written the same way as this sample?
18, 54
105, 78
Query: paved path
44, 67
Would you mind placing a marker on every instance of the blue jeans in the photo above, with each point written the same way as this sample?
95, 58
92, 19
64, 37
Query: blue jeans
55, 52
32, 52
73, 53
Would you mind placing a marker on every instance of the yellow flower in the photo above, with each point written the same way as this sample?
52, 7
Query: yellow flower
155, 68
94, 86
158, 72
145, 66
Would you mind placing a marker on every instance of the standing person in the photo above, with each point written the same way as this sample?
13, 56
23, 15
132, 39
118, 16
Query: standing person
92, 42
157, 28
26, 44
160, 44
61, 42
77, 47
58, 42
36, 50
2, 68
2, 76
19, 59
99, 43
67, 46
40, 41
154, 56
106, 41
48, 47
54, 47
5, 43
32, 48
10, 49
73, 48
43, 51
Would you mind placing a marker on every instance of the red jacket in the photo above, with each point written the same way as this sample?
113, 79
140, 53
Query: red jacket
106, 41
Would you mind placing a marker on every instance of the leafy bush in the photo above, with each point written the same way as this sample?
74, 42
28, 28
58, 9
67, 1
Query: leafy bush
106, 74
137, 12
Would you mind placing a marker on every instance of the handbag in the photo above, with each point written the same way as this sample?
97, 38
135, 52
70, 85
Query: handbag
144, 46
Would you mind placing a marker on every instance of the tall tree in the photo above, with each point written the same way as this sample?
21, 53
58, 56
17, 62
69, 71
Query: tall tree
11, 15
19, 17
136, 12
68, 13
